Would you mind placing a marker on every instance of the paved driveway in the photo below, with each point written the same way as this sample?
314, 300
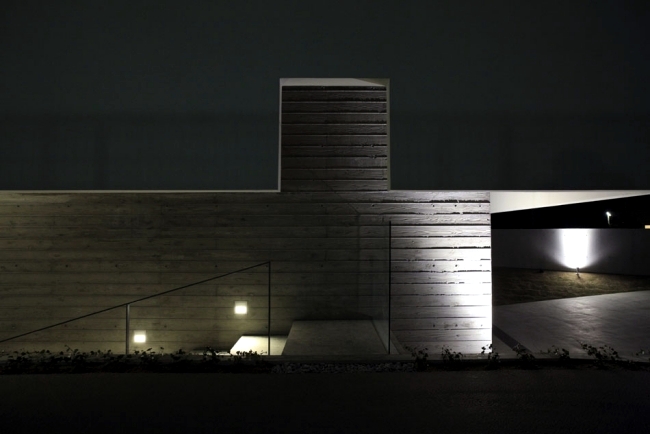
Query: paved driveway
621, 321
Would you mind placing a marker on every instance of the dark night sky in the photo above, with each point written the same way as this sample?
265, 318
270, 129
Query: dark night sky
484, 95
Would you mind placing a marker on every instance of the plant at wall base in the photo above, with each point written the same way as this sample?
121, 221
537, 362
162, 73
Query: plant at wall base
420, 355
18, 361
493, 357
642, 353
148, 358
210, 356
179, 356
603, 354
4, 360
109, 360
562, 354
254, 357
251, 356
449, 357
75, 358
525, 357
45, 361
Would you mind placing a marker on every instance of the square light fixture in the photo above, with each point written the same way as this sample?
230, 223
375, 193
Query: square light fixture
140, 336
241, 307
647, 226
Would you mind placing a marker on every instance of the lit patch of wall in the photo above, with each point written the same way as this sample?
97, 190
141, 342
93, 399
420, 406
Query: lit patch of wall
441, 271
576, 248
613, 251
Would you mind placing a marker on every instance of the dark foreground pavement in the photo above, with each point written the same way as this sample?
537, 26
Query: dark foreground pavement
544, 401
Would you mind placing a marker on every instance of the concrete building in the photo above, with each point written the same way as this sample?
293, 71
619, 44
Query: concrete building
123, 126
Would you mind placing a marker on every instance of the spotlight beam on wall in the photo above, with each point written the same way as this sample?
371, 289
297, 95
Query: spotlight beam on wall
575, 248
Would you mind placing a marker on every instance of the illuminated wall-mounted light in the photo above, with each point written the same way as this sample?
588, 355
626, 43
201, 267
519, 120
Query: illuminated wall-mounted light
608, 214
241, 307
140, 336
647, 226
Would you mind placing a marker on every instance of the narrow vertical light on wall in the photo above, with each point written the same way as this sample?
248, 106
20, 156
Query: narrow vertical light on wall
140, 336
241, 307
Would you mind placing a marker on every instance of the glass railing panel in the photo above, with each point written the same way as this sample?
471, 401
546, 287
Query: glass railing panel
341, 306
215, 314
103, 331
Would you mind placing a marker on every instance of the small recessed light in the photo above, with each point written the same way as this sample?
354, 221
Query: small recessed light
241, 307
140, 336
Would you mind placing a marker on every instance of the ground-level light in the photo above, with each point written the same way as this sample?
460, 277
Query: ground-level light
241, 307
140, 336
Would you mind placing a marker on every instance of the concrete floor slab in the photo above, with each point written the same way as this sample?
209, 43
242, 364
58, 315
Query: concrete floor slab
621, 321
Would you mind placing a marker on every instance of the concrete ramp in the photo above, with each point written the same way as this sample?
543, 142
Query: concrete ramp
350, 337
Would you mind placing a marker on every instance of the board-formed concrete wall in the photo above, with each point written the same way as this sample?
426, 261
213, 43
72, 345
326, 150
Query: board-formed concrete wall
326, 235
612, 251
